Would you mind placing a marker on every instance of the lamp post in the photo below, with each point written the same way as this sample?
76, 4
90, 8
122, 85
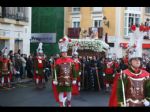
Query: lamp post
106, 22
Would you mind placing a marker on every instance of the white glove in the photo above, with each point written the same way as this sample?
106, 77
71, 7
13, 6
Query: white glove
146, 103
79, 73
18, 72
104, 74
113, 75
55, 82
74, 82
44, 71
36, 71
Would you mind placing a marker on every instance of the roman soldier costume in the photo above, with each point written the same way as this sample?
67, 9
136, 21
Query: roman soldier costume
76, 88
39, 65
5, 69
64, 74
108, 74
132, 87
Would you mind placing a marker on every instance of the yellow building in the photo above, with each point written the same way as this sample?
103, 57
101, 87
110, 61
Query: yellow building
115, 21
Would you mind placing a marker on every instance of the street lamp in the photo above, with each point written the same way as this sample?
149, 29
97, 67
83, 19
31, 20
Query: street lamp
106, 22
147, 22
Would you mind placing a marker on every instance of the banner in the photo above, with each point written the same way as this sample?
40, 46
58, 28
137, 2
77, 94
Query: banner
43, 37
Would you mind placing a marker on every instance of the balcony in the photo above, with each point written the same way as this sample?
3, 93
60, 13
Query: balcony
17, 19
76, 33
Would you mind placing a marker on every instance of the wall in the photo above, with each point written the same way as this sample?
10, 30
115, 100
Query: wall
48, 20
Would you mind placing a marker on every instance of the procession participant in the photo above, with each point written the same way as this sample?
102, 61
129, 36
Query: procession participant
132, 87
39, 65
5, 69
64, 74
108, 74
76, 88
84, 73
95, 74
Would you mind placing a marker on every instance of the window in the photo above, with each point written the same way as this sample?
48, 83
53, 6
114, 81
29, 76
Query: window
131, 19
147, 9
133, 8
76, 24
97, 23
76, 9
97, 9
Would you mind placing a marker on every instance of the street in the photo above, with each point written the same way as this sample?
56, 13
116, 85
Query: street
28, 95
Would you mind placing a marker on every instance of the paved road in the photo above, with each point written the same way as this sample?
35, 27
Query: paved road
28, 95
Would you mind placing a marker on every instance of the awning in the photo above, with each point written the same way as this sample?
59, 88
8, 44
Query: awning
144, 46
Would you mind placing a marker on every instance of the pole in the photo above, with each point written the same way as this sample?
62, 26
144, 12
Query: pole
99, 88
83, 76
55, 71
124, 98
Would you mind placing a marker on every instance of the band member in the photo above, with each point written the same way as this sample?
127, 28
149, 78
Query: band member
39, 65
85, 68
95, 74
132, 87
76, 88
64, 74
5, 69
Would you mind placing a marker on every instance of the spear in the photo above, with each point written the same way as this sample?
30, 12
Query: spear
55, 71
97, 78
124, 98
83, 76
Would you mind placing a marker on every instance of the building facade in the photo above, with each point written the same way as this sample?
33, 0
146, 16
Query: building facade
15, 28
115, 22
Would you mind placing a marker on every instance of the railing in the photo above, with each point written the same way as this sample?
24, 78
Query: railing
77, 32
19, 16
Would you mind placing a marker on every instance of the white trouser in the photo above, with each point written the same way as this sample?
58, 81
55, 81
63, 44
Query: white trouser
37, 80
8, 80
61, 96
2, 80
107, 85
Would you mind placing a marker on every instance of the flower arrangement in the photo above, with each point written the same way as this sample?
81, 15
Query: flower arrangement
90, 44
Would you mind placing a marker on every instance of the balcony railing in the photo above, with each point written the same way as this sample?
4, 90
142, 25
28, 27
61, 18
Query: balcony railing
77, 32
15, 16
18, 16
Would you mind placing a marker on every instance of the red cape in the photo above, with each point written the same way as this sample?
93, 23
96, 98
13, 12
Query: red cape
113, 102
54, 87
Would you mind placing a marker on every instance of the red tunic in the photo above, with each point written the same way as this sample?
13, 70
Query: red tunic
54, 87
39, 65
75, 88
113, 98
5, 60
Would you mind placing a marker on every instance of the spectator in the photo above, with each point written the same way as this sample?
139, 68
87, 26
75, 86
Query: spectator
29, 67
23, 65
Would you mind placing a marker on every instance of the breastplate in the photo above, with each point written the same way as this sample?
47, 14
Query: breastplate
135, 92
4, 67
65, 72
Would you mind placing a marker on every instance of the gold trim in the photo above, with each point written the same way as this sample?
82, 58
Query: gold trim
135, 73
